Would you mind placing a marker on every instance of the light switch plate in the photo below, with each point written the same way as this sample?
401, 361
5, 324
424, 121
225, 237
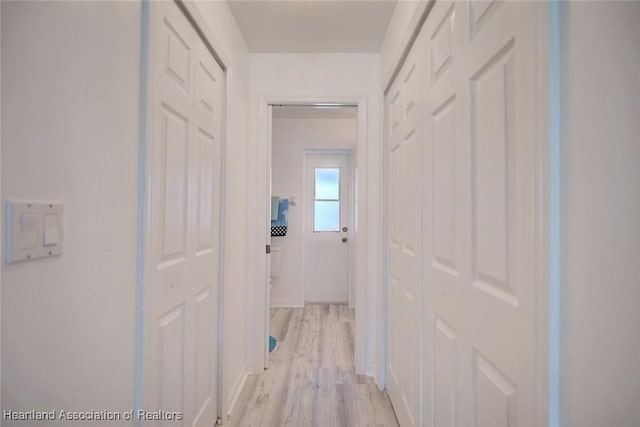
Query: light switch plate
33, 230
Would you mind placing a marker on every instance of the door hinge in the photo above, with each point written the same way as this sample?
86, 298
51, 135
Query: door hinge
268, 249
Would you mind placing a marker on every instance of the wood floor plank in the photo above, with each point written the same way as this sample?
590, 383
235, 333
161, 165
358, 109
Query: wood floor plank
311, 380
384, 413
345, 313
280, 322
324, 413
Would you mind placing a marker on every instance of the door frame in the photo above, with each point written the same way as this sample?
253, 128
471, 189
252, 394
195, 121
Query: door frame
143, 261
260, 222
351, 215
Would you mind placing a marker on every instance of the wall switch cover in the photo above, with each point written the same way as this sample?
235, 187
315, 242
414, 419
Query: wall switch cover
33, 230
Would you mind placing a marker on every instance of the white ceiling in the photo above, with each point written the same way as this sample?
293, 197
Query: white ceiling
311, 112
311, 26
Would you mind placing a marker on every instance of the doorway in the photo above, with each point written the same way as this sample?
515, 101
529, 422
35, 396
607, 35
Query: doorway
362, 234
304, 140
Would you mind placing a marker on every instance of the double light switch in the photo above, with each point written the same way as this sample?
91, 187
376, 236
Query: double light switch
34, 230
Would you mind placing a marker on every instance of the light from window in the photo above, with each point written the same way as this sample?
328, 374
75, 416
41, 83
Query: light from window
326, 214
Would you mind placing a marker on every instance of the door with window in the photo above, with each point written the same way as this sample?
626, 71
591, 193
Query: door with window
327, 227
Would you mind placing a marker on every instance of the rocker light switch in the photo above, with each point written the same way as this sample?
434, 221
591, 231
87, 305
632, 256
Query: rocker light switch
33, 230
50, 229
29, 230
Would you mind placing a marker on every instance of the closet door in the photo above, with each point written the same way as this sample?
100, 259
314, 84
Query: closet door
480, 234
182, 286
404, 246
446, 252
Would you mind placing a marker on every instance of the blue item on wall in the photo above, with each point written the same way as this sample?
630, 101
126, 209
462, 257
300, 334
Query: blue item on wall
275, 206
272, 343
280, 225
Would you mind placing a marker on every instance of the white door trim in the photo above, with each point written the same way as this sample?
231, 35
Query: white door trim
143, 268
410, 36
1, 233
267, 231
261, 222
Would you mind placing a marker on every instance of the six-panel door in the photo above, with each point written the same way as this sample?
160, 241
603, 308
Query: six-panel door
476, 64
403, 240
187, 104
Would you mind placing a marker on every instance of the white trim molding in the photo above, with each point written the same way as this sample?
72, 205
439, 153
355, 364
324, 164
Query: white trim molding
287, 304
410, 35
236, 390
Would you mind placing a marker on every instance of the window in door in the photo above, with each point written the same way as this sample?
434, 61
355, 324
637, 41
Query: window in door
326, 213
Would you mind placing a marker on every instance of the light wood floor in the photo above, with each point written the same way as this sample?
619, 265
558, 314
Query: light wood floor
311, 380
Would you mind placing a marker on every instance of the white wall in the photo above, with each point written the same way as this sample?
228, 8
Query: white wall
601, 288
326, 76
290, 139
224, 28
70, 75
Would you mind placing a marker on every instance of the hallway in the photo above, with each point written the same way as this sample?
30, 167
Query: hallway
311, 380
489, 237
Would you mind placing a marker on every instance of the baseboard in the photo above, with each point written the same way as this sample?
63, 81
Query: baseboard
328, 302
375, 373
370, 370
236, 389
287, 304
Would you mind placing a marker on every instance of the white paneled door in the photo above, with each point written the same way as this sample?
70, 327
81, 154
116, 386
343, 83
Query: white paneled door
480, 204
478, 193
403, 240
326, 229
181, 299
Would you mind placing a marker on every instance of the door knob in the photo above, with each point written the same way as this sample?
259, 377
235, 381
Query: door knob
344, 240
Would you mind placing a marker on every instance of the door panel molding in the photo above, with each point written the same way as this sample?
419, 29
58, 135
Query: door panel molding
181, 187
484, 267
403, 148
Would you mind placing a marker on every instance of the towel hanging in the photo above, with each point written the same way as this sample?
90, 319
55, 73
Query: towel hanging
275, 202
279, 226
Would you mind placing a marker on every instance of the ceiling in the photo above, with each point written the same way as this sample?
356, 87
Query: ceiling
311, 26
311, 112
